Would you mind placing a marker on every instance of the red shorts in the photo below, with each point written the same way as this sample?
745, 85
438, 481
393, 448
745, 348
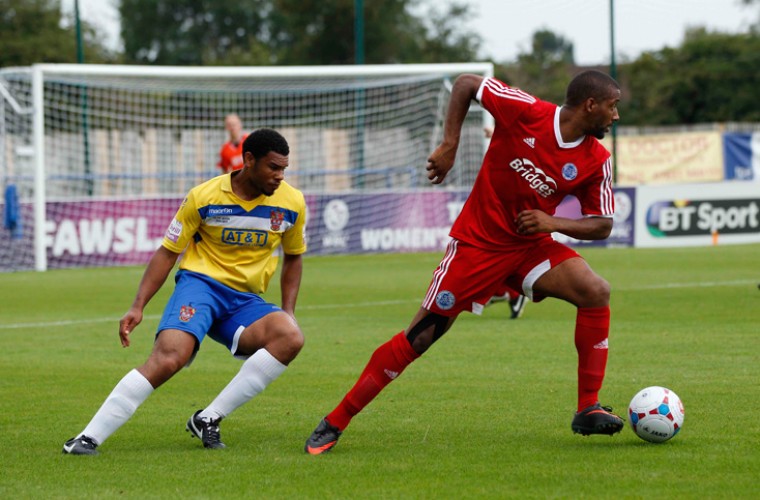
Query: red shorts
468, 276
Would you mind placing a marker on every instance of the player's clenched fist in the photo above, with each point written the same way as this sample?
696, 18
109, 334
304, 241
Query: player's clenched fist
440, 162
533, 221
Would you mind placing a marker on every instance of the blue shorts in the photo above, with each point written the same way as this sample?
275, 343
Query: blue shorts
201, 305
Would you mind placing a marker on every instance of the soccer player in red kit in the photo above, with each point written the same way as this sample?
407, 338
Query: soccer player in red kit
539, 153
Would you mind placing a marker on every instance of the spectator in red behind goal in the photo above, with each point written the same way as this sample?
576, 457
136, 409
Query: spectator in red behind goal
231, 154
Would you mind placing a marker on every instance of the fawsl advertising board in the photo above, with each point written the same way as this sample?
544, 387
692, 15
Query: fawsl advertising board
85, 233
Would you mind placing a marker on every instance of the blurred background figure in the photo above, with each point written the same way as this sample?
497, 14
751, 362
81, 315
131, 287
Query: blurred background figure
231, 154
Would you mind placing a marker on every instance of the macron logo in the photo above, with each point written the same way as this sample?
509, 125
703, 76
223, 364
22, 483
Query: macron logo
219, 211
601, 345
391, 374
530, 141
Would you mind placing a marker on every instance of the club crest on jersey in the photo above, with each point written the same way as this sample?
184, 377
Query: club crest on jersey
569, 172
275, 219
445, 300
186, 313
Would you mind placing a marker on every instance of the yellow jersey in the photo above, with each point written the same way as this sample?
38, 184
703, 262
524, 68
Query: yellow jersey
232, 240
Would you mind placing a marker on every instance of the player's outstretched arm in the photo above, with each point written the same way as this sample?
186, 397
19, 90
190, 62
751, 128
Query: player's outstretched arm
155, 275
589, 228
290, 281
440, 161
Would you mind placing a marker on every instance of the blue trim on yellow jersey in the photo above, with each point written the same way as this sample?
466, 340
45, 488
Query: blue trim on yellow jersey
236, 210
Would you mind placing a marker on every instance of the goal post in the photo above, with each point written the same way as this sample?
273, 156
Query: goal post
114, 147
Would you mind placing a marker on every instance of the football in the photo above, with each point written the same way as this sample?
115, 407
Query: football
656, 414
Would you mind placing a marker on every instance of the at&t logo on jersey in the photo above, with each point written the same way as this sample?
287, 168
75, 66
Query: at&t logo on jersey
244, 237
536, 178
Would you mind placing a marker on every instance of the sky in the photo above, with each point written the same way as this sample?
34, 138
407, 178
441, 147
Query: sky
507, 26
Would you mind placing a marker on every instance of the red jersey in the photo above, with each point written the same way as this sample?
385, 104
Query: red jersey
231, 156
529, 166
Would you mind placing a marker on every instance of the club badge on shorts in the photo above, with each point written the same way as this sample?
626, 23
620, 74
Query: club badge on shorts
445, 300
186, 313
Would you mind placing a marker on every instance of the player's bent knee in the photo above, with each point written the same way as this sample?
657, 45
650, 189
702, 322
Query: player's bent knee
290, 340
174, 362
596, 293
296, 340
603, 291
160, 367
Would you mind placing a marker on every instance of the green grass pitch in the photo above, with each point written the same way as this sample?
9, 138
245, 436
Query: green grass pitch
484, 414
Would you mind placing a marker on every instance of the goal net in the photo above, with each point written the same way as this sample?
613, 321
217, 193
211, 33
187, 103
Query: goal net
94, 159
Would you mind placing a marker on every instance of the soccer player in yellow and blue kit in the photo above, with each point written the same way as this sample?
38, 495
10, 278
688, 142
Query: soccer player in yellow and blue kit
229, 229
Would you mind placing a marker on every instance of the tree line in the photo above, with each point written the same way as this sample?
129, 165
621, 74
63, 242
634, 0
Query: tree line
710, 77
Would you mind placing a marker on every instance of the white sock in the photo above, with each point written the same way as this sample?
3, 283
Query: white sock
254, 376
119, 406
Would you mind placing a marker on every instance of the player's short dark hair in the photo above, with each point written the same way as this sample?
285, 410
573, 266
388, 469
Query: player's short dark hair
260, 142
590, 83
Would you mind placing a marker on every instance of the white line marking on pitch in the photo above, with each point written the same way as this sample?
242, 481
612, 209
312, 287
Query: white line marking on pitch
42, 324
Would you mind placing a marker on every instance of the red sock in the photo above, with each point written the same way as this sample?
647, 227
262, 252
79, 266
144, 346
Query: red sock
386, 363
592, 326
